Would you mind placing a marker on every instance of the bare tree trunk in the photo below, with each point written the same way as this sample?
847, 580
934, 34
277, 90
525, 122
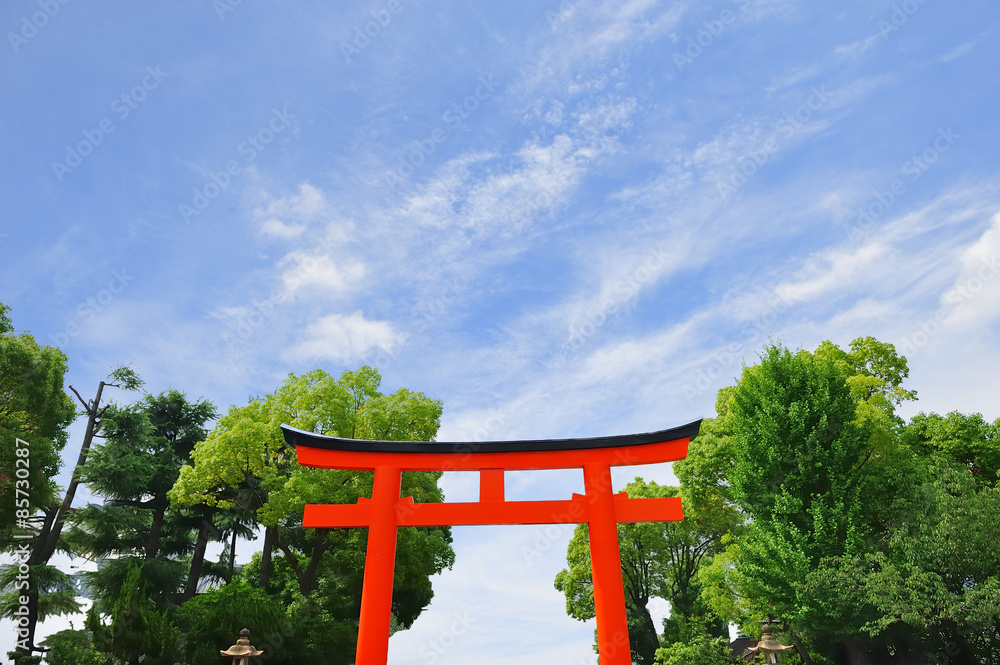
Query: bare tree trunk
153, 544
266, 564
197, 559
309, 575
49, 538
647, 639
232, 557
803, 654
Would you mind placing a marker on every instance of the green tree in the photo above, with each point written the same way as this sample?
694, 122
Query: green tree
937, 584
860, 528
35, 409
139, 632
928, 584
73, 647
245, 462
145, 445
797, 474
703, 650
214, 619
51, 592
875, 374
967, 440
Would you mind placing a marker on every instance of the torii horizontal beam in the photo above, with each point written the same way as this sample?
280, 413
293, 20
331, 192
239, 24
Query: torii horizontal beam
599, 508
575, 511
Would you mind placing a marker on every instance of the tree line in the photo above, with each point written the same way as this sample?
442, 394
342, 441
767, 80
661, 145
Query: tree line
809, 501
170, 476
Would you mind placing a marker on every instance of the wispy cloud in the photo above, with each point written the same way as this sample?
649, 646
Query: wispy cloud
958, 51
343, 338
288, 216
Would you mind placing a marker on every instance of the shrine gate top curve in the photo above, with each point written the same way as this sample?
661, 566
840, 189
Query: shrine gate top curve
329, 452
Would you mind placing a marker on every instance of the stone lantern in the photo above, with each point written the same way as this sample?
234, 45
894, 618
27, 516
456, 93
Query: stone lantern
768, 647
242, 650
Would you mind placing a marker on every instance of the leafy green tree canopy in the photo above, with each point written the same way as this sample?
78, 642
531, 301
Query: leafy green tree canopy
35, 408
245, 462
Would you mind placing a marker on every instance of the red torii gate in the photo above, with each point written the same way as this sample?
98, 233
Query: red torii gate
599, 507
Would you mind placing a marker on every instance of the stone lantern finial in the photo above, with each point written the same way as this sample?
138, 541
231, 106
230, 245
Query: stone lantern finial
769, 647
242, 650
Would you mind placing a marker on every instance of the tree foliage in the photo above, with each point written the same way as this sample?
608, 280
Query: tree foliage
73, 647
702, 650
34, 408
854, 517
214, 619
807, 499
245, 462
865, 536
144, 446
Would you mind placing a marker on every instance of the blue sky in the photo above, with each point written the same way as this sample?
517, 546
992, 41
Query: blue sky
570, 219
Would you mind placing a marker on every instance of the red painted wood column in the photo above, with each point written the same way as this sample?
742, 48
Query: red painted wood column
380, 562
606, 567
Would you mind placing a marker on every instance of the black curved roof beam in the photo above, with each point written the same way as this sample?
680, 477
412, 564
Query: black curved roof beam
297, 437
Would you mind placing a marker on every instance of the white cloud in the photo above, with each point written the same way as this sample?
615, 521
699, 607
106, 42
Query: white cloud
592, 33
863, 314
307, 206
303, 270
974, 298
538, 180
833, 271
344, 338
855, 49
274, 227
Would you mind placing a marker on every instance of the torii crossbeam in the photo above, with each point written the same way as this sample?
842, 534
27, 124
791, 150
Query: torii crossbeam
386, 511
